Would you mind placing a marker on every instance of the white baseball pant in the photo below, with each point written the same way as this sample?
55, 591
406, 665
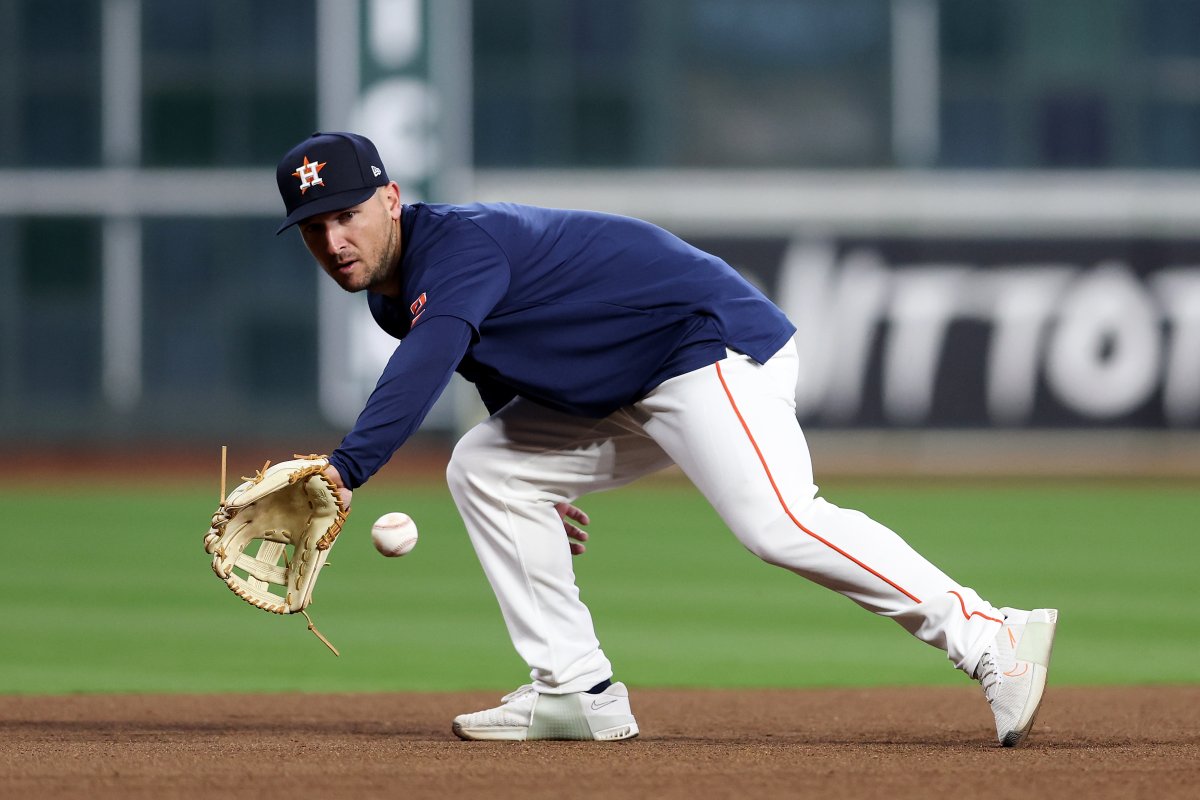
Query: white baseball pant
731, 427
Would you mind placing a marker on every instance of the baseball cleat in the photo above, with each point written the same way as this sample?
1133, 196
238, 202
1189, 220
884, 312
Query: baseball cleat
1013, 670
527, 714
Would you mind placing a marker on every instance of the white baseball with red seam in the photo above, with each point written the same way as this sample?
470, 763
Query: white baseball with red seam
394, 534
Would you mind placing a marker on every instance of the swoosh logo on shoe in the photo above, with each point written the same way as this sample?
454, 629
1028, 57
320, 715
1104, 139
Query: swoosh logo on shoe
1011, 638
597, 705
1021, 665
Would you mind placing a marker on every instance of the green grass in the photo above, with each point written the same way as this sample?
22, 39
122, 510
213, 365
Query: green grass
104, 590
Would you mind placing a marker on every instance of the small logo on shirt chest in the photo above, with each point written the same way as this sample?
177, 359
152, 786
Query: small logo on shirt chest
417, 308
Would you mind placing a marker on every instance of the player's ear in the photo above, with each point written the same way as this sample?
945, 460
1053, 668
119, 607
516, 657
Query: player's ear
391, 199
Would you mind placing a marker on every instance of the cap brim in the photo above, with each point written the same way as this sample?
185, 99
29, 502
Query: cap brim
330, 202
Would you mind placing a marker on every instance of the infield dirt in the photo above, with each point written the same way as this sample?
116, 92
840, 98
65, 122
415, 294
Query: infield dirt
894, 743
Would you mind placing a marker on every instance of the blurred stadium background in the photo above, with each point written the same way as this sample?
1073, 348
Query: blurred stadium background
984, 215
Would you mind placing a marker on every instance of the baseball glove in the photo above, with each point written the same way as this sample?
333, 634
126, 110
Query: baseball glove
289, 512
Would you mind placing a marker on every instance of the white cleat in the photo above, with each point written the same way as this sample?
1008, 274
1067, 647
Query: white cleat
527, 714
1013, 670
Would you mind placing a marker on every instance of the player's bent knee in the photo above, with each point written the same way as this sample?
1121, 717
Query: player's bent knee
469, 467
780, 539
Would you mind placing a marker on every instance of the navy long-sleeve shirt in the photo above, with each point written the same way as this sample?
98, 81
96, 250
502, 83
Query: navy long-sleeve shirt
579, 311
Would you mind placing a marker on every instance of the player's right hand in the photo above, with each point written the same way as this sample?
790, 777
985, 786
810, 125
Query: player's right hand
578, 536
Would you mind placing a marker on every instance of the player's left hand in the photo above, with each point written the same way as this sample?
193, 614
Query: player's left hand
578, 536
340, 486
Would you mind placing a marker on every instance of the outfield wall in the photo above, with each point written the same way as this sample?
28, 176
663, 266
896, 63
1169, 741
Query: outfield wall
976, 303
950, 301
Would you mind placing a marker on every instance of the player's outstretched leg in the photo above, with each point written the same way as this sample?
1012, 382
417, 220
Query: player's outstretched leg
751, 461
1013, 670
527, 714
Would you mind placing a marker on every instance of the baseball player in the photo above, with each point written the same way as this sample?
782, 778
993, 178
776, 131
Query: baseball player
605, 349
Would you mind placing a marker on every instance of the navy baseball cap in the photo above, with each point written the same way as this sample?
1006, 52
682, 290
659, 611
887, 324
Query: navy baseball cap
328, 172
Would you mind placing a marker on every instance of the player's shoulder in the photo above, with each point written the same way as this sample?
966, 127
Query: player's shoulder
503, 223
438, 220
434, 226
472, 212
515, 227
482, 212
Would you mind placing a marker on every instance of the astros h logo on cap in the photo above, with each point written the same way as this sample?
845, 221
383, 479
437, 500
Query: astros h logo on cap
326, 172
309, 174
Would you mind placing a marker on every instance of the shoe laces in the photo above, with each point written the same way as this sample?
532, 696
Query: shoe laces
987, 674
518, 693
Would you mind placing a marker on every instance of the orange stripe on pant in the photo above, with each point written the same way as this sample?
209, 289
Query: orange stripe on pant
962, 605
783, 504
779, 495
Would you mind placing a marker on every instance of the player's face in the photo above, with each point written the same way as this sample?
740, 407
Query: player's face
359, 247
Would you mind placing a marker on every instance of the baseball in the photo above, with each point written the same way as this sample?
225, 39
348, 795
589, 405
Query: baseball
394, 534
